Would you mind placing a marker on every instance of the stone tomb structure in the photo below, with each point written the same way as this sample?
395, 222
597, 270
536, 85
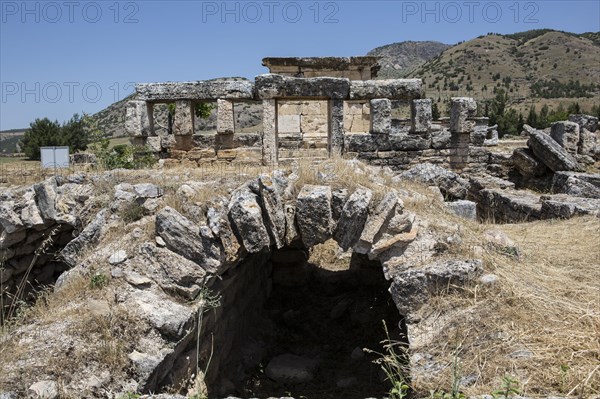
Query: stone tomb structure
337, 115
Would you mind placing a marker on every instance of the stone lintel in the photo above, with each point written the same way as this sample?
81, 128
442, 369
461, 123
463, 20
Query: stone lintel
224, 88
394, 89
271, 86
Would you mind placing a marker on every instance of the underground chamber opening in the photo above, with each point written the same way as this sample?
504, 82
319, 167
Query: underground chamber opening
295, 322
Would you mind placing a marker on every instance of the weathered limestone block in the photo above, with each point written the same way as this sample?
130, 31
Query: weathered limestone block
382, 213
367, 142
187, 239
410, 141
314, 124
381, 116
88, 236
224, 88
225, 121
441, 138
45, 198
567, 135
288, 124
270, 146
550, 152
451, 184
565, 206
154, 143
394, 89
338, 200
527, 164
461, 109
463, 208
413, 288
9, 219
421, 115
184, 120
313, 214
30, 215
508, 205
588, 142
246, 215
270, 86
218, 221
291, 229
272, 203
139, 121
577, 184
353, 217
336, 139
588, 122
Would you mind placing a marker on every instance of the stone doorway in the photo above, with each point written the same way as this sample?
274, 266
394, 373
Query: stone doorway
303, 128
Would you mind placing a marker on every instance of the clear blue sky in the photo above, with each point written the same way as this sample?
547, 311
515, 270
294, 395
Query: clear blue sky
61, 57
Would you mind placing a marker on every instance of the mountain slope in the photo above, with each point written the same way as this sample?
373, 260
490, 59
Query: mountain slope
399, 59
534, 64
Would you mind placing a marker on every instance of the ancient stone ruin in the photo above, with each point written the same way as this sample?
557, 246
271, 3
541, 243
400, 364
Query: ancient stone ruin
317, 107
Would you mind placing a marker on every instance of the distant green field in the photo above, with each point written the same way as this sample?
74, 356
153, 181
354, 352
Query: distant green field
6, 160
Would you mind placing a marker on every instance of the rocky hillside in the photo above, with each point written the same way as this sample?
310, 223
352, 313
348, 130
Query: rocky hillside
399, 59
534, 65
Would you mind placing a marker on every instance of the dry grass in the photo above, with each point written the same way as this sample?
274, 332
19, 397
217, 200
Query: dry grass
540, 324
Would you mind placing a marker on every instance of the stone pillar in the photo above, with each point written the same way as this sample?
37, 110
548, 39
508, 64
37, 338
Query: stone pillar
420, 116
183, 125
139, 119
225, 122
270, 146
461, 109
381, 116
461, 127
336, 127
566, 134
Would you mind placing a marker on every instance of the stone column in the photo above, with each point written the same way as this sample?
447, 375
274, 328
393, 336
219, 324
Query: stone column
461, 109
461, 127
420, 116
183, 125
381, 116
270, 146
139, 119
225, 122
336, 127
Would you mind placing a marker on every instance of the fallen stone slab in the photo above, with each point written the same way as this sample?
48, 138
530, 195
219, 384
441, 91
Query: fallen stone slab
412, 288
382, 213
451, 184
566, 134
576, 184
508, 206
563, 206
463, 208
550, 152
527, 164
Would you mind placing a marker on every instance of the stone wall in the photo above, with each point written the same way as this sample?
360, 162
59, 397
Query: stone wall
316, 117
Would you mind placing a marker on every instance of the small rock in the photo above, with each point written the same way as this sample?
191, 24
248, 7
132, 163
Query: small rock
488, 279
137, 279
346, 382
118, 257
117, 272
290, 368
160, 242
98, 307
357, 354
147, 190
46, 389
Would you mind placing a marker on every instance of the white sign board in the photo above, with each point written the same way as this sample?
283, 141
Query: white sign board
54, 157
